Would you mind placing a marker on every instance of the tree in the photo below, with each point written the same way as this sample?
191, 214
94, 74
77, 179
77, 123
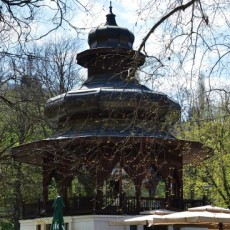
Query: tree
25, 92
57, 69
210, 125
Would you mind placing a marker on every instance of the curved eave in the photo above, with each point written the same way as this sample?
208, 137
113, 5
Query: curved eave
145, 102
86, 57
34, 152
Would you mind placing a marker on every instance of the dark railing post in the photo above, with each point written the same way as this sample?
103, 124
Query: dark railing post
98, 201
122, 203
138, 198
181, 203
23, 209
39, 206
205, 200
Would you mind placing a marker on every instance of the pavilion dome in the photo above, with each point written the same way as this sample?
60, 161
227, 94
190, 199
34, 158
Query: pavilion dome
110, 35
109, 95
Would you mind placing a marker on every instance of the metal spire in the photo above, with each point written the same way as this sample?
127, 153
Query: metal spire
110, 8
110, 18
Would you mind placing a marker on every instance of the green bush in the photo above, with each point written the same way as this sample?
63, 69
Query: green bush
6, 225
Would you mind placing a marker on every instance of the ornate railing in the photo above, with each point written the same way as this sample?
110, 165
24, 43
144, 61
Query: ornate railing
106, 205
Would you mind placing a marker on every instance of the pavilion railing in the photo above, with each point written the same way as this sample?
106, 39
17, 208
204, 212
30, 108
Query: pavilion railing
107, 205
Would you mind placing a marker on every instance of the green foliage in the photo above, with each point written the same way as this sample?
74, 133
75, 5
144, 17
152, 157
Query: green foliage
77, 189
21, 120
212, 176
53, 190
128, 187
160, 189
6, 224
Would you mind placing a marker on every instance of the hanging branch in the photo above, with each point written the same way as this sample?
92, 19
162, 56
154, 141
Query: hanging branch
142, 45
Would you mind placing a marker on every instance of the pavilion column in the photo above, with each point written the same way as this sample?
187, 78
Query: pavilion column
101, 176
99, 197
65, 177
178, 175
45, 191
47, 175
138, 195
137, 168
170, 186
180, 180
138, 184
64, 185
174, 187
164, 172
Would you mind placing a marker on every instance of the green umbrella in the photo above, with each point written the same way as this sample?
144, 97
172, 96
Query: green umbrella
58, 221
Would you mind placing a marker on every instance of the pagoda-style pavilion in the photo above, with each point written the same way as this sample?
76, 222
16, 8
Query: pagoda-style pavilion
111, 152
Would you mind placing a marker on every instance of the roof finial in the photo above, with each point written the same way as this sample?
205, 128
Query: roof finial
110, 18
110, 8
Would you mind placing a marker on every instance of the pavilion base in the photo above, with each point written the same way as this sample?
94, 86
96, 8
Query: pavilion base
83, 222
94, 222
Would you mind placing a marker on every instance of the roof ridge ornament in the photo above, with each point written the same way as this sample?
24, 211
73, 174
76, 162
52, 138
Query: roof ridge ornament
110, 8
110, 18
